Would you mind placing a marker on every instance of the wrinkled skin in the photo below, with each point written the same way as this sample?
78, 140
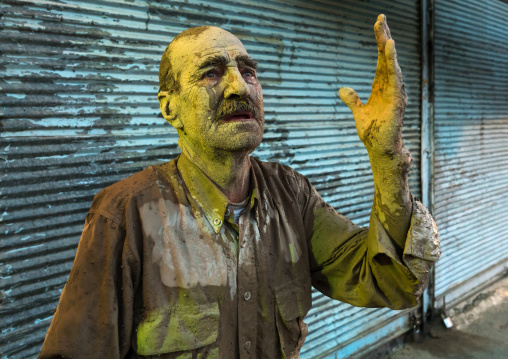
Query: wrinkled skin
379, 124
218, 110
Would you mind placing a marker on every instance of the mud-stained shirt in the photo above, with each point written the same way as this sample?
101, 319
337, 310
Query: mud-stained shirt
163, 271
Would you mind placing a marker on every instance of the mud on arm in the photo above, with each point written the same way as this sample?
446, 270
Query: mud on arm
379, 124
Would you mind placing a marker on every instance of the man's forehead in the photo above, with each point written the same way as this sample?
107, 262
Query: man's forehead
209, 43
230, 53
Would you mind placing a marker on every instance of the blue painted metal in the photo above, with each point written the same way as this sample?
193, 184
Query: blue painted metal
377, 336
427, 132
473, 285
426, 109
79, 83
471, 128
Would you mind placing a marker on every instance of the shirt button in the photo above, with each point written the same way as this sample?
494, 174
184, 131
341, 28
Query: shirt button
244, 243
247, 345
217, 221
247, 295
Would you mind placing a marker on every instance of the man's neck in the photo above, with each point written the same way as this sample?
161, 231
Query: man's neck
229, 171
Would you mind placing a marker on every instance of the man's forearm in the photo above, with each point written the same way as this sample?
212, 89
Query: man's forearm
392, 199
379, 124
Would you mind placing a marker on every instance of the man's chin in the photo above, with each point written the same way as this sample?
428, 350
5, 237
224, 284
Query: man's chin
243, 144
239, 135
241, 141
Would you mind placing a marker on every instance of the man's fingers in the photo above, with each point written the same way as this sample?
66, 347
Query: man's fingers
382, 32
380, 36
350, 98
382, 18
392, 65
395, 79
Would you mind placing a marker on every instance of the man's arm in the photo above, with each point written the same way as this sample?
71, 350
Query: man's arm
94, 315
388, 264
379, 124
363, 266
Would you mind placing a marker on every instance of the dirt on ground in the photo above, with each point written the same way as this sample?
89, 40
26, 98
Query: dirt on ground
480, 330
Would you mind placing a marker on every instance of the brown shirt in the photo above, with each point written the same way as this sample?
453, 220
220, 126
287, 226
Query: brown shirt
162, 270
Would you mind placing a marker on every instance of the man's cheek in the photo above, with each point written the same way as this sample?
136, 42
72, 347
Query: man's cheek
188, 103
212, 94
258, 95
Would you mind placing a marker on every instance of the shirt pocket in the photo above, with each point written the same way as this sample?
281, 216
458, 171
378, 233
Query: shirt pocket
293, 302
179, 328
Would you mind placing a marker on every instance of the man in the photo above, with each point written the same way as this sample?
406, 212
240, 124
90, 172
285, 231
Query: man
214, 254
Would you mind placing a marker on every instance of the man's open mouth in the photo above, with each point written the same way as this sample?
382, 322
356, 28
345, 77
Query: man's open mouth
239, 116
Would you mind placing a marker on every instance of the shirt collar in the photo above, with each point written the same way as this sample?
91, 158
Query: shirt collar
207, 195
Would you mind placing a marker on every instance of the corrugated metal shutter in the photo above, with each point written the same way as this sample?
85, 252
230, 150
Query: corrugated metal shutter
338, 165
471, 146
79, 89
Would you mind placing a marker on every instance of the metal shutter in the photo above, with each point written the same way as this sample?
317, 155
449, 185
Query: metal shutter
80, 112
471, 146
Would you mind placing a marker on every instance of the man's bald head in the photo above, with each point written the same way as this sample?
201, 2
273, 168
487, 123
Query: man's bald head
168, 77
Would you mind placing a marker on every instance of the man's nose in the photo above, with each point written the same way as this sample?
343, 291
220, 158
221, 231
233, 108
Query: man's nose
236, 87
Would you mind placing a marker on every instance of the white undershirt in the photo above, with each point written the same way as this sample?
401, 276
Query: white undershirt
238, 209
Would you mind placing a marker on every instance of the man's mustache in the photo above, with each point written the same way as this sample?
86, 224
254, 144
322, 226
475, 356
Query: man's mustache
230, 107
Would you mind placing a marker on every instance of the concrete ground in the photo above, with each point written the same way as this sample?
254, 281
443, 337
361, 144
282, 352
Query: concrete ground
480, 331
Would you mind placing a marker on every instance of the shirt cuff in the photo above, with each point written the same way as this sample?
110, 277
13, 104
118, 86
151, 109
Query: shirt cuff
421, 248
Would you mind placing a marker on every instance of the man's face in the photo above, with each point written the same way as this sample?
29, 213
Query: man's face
220, 102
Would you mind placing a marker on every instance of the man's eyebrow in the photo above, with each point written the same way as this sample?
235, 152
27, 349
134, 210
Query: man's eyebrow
213, 61
245, 60
220, 60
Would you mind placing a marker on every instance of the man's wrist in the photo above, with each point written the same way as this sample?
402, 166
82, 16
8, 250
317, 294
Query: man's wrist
398, 160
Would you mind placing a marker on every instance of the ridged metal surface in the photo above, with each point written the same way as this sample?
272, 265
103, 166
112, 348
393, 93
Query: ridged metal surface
79, 83
471, 132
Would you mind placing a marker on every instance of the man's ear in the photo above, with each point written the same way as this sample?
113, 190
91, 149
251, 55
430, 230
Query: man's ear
168, 109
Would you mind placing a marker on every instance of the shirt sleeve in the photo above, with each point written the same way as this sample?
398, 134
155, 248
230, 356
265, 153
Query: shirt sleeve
364, 266
94, 315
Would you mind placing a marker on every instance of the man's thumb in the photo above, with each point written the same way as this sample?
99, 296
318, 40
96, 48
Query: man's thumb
350, 98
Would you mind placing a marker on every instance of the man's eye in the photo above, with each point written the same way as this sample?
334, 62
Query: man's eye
249, 74
210, 74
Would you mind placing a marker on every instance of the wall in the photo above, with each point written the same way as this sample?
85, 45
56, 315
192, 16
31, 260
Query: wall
471, 146
80, 112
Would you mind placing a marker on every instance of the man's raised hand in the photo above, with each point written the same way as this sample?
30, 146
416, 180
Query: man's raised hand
379, 121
